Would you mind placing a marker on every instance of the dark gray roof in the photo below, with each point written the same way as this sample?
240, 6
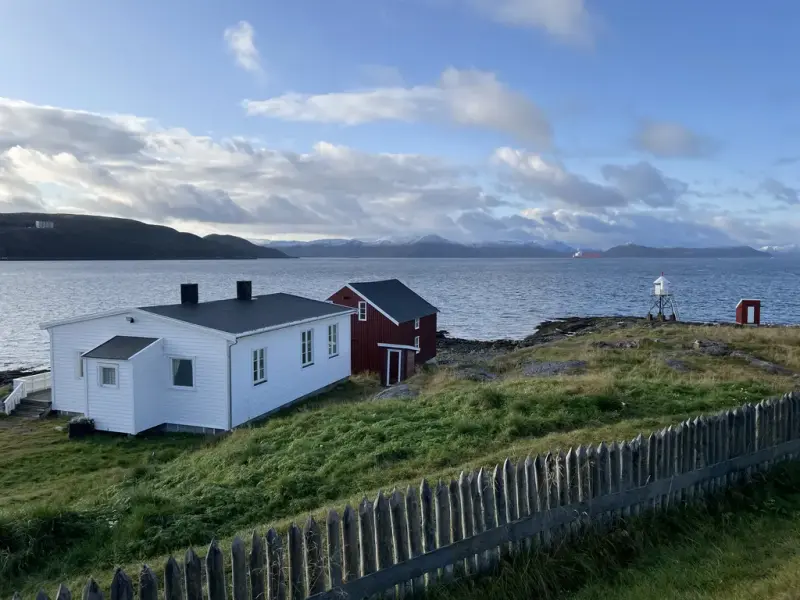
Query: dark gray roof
395, 299
120, 347
241, 316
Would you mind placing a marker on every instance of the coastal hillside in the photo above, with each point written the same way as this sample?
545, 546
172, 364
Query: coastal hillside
75, 508
82, 237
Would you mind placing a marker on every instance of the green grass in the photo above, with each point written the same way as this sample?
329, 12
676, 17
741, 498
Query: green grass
72, 508
742, 546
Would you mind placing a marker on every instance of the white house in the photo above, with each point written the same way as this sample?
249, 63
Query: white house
197, 366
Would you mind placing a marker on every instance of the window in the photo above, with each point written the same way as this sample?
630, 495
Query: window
259, 366
416, 343
333, 340
308, 347
108, 376
362, 311
183, 372
416, 323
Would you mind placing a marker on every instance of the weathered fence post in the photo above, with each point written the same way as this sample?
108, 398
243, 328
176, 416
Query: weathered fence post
626, 474
510, 496
637, 460
413, 518
121, 586
366, 537
499, 485
92, 591
486, 486
215, 573
258, 587
572, 494
465, 497
442, 503
172, 580
476, 481
238, 570
193, 574
603, 479
148, 584
456, 534
295, 563
350, 553
333, 540
553, 500
276, 577
428, 525
614, 477
63, 593
540, 482
312, 557
677, 468
397, 513
584, 492
383, 536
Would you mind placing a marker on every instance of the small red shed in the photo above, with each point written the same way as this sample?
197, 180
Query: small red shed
748, 312
393, 329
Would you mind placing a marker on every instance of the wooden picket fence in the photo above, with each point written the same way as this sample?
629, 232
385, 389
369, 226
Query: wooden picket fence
400, 544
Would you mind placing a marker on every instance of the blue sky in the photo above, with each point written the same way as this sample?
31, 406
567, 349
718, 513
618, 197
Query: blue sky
592, 122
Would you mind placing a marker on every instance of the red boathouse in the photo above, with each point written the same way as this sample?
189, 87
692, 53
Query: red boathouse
393, 329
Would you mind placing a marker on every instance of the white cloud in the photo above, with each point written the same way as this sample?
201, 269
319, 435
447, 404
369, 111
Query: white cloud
533, 177
240, 39
53, 159
567, 20
665, 139
118, 165
469, 98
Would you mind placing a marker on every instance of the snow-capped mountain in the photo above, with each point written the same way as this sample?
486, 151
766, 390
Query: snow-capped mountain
787, 249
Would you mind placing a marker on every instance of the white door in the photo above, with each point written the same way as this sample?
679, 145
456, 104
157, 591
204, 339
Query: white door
751, 314
394, 367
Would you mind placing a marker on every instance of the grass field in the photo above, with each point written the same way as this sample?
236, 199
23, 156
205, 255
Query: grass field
71, 508
744, 546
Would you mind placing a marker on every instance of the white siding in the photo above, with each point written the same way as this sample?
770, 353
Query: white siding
287, 379
150, 371
110, 407
204, 406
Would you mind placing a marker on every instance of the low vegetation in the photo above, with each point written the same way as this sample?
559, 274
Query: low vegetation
74, 508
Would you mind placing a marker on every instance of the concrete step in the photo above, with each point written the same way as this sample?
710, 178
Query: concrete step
35, 403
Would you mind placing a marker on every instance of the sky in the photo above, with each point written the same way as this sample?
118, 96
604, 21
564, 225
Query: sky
590, 122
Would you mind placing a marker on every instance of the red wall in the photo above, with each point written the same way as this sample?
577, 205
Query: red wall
377, 329
741, 312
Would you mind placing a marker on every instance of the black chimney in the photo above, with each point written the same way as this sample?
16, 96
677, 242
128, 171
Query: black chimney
189, 293
244, 290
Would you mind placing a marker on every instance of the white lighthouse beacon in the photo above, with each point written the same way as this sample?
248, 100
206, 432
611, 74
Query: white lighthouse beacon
663, 307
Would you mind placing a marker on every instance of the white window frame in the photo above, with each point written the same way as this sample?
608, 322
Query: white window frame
333, 340
115, 368
307, 347
362, 310
259, 364
416, 323
172, 376
416, 343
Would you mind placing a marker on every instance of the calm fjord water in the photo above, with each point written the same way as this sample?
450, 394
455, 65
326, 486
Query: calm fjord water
478, 298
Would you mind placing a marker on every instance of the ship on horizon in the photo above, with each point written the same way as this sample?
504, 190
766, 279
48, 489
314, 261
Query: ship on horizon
582, 254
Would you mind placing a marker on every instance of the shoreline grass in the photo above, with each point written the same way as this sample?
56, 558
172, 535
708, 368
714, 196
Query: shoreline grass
72, 508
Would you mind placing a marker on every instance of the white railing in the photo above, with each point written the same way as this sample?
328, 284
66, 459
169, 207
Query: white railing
22, 386
14, 398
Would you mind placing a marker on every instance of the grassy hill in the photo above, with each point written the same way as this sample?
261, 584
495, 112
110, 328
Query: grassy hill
83, 237
74, 508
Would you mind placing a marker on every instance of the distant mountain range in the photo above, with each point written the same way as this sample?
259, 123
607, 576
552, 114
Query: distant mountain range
80, 237
433, 246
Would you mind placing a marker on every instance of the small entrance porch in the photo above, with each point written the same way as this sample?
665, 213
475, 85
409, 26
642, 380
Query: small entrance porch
398, 363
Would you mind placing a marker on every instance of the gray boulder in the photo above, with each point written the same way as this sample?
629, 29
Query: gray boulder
551, 368
396, 391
